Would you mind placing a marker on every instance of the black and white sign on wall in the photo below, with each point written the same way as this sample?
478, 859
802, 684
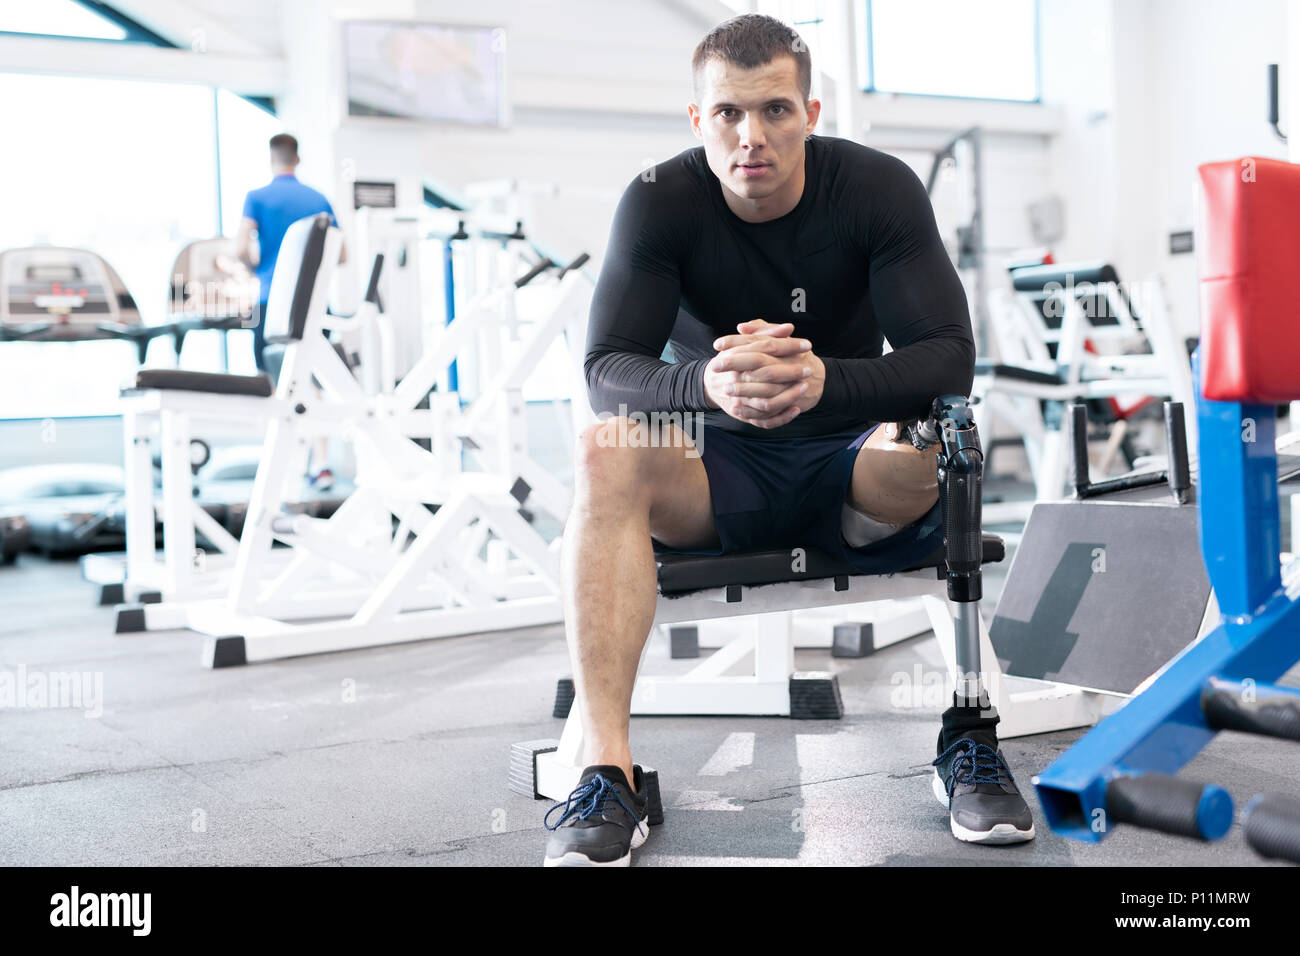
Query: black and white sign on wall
375, 195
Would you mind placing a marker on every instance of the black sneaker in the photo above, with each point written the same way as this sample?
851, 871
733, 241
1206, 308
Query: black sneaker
972, 780
602, 822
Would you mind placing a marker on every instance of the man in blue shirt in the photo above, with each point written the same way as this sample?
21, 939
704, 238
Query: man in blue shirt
269, 212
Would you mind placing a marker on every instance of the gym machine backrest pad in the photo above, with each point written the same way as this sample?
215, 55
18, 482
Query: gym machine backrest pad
53, 294
1041, 283
293, 285
1112, 321
1247, 277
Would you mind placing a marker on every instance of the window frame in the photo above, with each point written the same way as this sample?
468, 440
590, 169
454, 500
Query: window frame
136, 32
867, 66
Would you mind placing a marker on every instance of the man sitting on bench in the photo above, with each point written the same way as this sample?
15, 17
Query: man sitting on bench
812, 249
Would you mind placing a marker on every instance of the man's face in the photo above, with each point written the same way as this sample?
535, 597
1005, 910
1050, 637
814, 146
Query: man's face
753, 123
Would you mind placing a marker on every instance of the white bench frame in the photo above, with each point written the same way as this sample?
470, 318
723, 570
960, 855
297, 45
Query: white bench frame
1026, 706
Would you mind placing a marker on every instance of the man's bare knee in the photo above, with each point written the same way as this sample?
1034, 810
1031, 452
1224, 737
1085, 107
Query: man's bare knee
636, 465
610, 460
625, 443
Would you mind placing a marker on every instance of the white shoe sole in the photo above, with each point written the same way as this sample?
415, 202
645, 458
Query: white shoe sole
639, 836
1001, 834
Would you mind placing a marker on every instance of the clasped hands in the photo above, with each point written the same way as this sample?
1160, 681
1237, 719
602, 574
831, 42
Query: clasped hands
763, 375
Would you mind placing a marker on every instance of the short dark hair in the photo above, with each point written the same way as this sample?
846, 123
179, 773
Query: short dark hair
750, 40
284, 149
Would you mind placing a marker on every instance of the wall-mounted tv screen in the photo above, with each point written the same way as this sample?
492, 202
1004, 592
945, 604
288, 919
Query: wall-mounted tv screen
425, 71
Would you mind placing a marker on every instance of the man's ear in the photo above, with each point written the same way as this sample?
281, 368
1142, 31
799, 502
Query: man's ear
814, 110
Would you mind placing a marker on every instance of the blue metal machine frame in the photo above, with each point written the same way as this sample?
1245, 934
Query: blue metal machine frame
1256, 641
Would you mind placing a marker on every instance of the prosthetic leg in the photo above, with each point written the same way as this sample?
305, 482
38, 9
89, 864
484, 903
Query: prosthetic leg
961, 479
960, 463
971, 778
950, 428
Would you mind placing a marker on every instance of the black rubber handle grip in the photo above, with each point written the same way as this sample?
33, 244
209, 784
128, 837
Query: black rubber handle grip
1099, 489
1079, 447
1161, 802
372, 287
1272, 825
1265, 712
1180, 474
533, 273
1272, 94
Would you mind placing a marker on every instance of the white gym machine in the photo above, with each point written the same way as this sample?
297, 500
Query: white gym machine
1068, 333
421, 548
173, 408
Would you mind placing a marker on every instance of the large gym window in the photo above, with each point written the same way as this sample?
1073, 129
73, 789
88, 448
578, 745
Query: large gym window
983, 50
243, 129
129, 170
58, 18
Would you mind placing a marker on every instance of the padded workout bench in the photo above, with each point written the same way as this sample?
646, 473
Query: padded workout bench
769, 585
765, 586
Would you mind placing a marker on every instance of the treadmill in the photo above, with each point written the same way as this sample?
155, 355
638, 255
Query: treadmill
55, 294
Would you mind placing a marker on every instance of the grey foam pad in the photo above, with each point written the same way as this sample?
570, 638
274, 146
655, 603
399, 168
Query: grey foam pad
1101, 594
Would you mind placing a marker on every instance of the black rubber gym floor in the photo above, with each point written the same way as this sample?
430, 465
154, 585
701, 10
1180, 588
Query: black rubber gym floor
398, 755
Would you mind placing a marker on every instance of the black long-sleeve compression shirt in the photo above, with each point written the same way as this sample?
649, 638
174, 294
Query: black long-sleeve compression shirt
857, 261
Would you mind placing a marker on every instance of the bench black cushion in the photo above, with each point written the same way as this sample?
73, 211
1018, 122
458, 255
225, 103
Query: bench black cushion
682, 573
216, 382
1038, 278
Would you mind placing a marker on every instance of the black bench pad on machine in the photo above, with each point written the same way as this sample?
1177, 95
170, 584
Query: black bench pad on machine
219, 383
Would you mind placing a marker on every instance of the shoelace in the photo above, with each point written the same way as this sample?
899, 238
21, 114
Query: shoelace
974, 764
587, 800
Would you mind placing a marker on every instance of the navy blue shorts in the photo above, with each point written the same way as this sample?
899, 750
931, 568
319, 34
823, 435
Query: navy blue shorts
777, 493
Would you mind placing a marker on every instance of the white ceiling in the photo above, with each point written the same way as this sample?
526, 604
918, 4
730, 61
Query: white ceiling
242, 27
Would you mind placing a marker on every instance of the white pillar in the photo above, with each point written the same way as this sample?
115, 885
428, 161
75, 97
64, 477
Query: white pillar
841, 57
